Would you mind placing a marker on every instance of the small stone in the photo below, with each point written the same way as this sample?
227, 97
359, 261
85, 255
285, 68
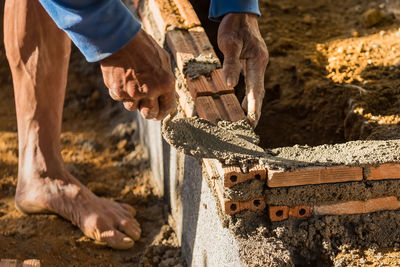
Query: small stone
122, 144
156, 259
308, 19
90, 145
372, 17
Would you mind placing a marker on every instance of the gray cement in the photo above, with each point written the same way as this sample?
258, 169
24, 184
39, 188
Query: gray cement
202, 139
201, 65
235, 142
245, 191
351, 154
331, 193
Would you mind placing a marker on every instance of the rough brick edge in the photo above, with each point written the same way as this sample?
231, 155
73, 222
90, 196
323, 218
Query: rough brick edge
16, 263
280, 213
183, 15
188, 44
314, 175
382, 172
233, 175
231, 207
187, 12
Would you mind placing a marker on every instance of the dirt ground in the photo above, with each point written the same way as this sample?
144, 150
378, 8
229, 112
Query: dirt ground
97, 147
333, 74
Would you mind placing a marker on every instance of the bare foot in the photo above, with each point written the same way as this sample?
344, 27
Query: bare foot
63, 194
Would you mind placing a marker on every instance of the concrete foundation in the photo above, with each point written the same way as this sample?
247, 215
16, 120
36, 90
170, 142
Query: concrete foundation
204, 240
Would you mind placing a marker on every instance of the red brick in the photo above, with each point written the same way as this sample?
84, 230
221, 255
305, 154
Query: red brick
314, 175
384, 171
358, 207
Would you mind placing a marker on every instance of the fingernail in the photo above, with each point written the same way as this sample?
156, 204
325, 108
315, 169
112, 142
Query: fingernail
127, 240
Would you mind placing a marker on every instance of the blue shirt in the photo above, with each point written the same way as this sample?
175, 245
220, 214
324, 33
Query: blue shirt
100, 28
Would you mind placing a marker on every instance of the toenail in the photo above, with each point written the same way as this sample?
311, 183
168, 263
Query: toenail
127, 240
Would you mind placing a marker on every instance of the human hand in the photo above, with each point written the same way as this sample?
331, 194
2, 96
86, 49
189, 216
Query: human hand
140, 76
240, 41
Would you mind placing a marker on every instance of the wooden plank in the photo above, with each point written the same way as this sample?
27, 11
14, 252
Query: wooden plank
207, 109
384, 171
314, 175
358, 207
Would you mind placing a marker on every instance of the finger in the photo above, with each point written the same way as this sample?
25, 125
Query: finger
167, 105
131, 105
131, 227
254, 89
114, 79
116, 239
231, 47
149, 108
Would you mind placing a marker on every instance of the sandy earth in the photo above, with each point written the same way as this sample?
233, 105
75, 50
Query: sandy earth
329, 71
98, 149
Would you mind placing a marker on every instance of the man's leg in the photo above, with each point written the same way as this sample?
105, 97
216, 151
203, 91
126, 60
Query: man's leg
38, 54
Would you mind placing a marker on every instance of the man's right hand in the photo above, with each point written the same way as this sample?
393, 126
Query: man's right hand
140, 76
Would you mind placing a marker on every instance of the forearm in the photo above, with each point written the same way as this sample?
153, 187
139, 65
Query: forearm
218, 8
98, 28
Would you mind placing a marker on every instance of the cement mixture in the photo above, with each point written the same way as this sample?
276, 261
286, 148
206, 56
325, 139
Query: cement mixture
232, 142
202, 139
201, 65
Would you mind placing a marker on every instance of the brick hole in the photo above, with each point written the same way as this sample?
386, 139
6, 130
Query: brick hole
257, 176
302, 212
279, 213
257, 202
233, 207
233, 178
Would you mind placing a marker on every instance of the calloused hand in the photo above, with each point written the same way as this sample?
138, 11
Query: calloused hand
140, 76
240, 41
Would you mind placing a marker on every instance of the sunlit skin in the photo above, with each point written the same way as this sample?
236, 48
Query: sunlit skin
139, 75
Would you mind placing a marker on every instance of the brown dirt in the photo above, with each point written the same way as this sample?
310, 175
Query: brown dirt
107, 161
329, 72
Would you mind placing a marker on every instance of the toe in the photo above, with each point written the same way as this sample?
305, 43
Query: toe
117, 240
128, 208
130, 227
